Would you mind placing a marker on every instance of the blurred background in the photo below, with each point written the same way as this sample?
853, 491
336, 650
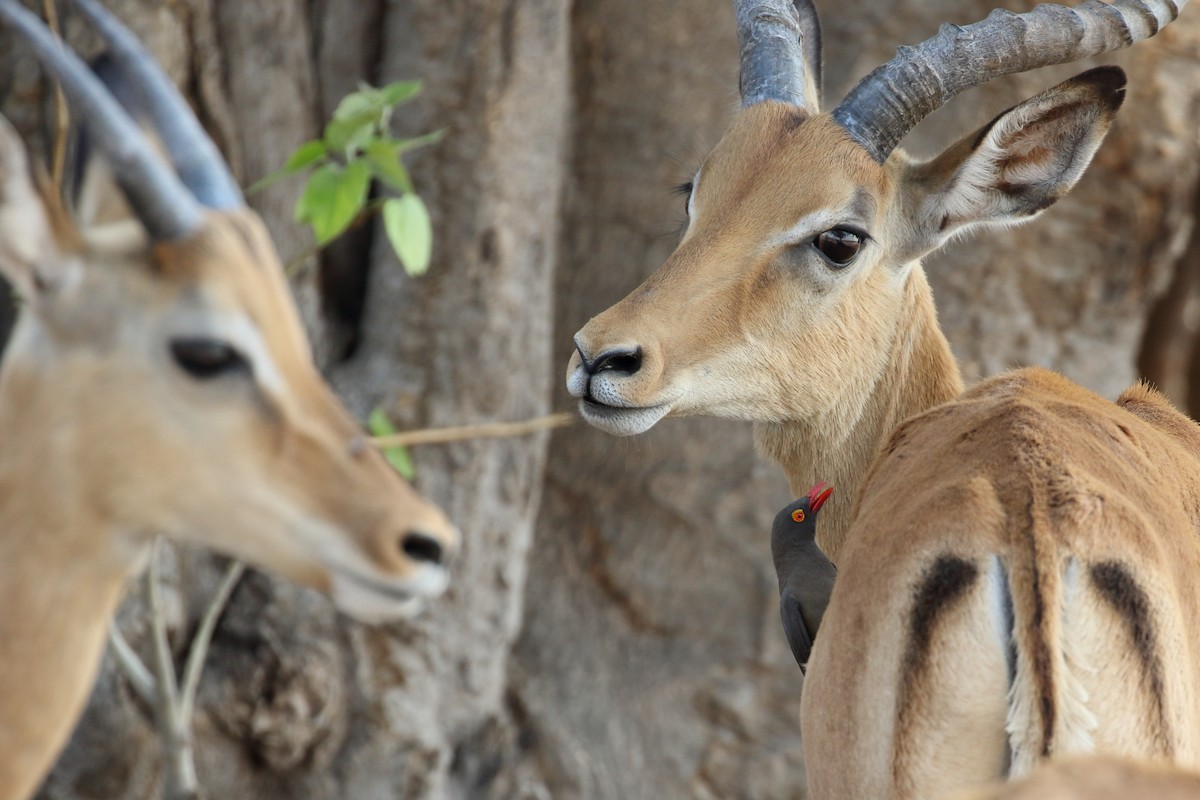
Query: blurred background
612, 628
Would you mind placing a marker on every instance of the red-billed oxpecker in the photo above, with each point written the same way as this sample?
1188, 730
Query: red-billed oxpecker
805, 573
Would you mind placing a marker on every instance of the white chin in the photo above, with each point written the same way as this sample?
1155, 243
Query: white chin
621, 421
374, 605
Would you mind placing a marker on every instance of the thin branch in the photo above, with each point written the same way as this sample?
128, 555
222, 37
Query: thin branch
181, 782
164, 665
62, 119
202, 639
495, 430
138, 675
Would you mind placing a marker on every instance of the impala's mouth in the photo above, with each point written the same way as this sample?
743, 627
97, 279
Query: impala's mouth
621, 420
374, 600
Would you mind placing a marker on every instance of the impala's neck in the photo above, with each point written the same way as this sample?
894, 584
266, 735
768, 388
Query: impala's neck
60, 580
920, 372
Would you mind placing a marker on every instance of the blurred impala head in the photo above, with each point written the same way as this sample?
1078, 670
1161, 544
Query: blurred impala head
169, 369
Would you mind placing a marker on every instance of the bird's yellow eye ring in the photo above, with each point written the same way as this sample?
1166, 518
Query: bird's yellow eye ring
798, 515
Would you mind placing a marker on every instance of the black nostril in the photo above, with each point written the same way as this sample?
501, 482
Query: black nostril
423, 548
627, 361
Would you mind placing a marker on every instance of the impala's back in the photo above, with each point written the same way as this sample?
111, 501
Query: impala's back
1028, 554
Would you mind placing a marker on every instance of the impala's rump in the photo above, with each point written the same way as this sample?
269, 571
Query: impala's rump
1031, 606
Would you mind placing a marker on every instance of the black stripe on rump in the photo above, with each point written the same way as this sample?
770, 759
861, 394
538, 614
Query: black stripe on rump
943, 584
1114, 582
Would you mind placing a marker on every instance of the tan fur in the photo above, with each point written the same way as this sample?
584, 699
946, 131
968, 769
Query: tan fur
1099, 778
1042, 474
108, 442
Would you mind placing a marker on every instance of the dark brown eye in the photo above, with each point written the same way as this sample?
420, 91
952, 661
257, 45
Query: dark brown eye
839, 246
206, 358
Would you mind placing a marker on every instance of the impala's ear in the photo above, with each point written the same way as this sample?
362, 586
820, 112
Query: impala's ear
35, 234
1017, 165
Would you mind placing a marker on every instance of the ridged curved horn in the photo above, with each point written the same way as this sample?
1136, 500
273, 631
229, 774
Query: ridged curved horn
780, 51
159, 198
889, 102
191, 151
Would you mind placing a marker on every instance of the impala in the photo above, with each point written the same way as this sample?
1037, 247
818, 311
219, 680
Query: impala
1097, 778
162, 383
795, 299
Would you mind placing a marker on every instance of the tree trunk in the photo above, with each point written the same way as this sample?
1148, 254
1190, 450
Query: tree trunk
650, 661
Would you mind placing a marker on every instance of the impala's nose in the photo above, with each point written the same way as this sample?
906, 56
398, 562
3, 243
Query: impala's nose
626, 360
423, 548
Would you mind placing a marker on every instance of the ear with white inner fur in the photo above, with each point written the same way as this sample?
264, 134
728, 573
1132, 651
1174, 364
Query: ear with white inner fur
1017, 165
30, 257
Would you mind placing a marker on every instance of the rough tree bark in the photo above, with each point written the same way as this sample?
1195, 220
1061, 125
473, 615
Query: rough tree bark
649, 663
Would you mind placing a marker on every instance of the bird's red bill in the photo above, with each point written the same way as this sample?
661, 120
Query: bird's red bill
817, 496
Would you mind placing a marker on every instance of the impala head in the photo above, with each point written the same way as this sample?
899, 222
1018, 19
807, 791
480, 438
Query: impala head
173, 368
791, 282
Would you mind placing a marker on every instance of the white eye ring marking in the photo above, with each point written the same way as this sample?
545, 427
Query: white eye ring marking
246, 337
691, 202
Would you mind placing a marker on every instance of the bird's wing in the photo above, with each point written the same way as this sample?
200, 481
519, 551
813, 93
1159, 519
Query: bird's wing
794, 628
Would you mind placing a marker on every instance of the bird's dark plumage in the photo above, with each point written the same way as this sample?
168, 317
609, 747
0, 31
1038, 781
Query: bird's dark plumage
805, 574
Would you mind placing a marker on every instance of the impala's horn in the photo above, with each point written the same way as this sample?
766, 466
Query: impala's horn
888, 103
161, 201
192, 153
780, 52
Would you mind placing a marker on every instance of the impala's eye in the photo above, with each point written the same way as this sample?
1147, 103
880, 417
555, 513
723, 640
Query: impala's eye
206, 358
839, 246
685, 189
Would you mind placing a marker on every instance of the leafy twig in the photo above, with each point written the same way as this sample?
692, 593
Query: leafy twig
356, 147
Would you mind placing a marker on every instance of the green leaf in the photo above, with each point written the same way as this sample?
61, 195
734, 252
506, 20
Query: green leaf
399, 92
357, 103
301, 158
266, 181
383, 156
351, 133
333, 197
404, 145
305, 155
399, 457
406, 221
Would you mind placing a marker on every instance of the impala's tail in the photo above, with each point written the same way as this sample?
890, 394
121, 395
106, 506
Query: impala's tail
1089, 643
1048, 708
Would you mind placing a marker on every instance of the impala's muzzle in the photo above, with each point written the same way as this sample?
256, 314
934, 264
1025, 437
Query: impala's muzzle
611, 386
